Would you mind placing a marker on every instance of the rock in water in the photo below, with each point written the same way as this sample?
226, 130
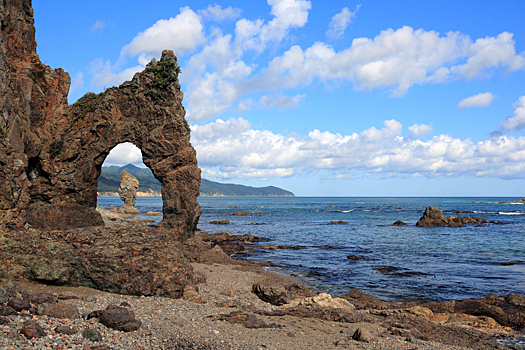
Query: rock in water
434, 217
128, 192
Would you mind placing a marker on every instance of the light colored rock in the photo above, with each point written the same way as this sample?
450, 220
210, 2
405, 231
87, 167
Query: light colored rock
153, 213
323, 300
128, 189
419, 311
472, 321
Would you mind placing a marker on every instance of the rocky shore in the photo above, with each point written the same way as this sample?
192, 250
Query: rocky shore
235, 304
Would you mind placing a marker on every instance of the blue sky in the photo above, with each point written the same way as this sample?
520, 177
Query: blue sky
382, 98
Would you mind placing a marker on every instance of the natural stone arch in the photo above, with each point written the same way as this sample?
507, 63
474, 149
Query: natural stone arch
51, 156
51, 153
147, 112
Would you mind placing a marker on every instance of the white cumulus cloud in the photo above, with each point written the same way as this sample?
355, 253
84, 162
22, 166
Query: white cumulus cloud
232, 149
181, 34
217, 13
340, 22
242, 152
220, 71
124, 153
516, 122
420, 130
479, 100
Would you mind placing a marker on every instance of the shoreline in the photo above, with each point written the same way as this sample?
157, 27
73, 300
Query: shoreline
184, 324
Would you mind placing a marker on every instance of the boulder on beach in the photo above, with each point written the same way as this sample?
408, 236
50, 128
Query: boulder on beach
434, 217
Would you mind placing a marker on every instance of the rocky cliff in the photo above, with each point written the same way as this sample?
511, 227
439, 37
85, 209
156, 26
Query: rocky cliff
51, 153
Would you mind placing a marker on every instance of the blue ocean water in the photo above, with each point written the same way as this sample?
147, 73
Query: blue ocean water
435, 263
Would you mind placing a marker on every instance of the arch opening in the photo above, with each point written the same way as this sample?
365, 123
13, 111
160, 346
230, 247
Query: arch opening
147, 194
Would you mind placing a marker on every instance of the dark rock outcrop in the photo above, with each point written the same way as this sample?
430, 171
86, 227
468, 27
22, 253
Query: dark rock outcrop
51, 153
278, 295
32, 330
129, 260
399, 223
434, 217
116, 317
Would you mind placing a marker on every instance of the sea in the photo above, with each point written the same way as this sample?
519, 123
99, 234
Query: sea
395, 262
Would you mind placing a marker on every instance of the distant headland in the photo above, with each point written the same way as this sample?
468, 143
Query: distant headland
109, 181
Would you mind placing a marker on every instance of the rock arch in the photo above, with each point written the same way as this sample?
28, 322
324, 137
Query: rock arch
51, 153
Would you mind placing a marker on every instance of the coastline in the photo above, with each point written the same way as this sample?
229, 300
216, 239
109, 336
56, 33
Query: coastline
184, 324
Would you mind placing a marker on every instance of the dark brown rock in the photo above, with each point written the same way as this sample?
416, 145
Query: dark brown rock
91, 335
65, 330
241, 213
442, 307
67, 296
7, 310
220, 222
51, 153
276, 294
516, 299
32, 330
399, 223
3, 298
19, 304
273, 294
61, 311
340, 222
356, 257
195, 246
42, 298
215, 255
434, 217
479, 308
127, 260
116, 317
363, 335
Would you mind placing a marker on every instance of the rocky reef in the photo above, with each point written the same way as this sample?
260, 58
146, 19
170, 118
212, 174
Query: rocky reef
51, 155
434, 217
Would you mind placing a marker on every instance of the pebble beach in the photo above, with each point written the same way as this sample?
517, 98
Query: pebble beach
184, 324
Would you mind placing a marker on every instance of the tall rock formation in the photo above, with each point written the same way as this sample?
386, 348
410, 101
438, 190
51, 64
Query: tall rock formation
128, 191
51, 156
51, 153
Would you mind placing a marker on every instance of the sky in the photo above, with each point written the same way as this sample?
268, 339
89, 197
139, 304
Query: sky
338, 98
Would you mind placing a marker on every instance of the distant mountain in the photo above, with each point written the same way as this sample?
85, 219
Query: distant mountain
109, 182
